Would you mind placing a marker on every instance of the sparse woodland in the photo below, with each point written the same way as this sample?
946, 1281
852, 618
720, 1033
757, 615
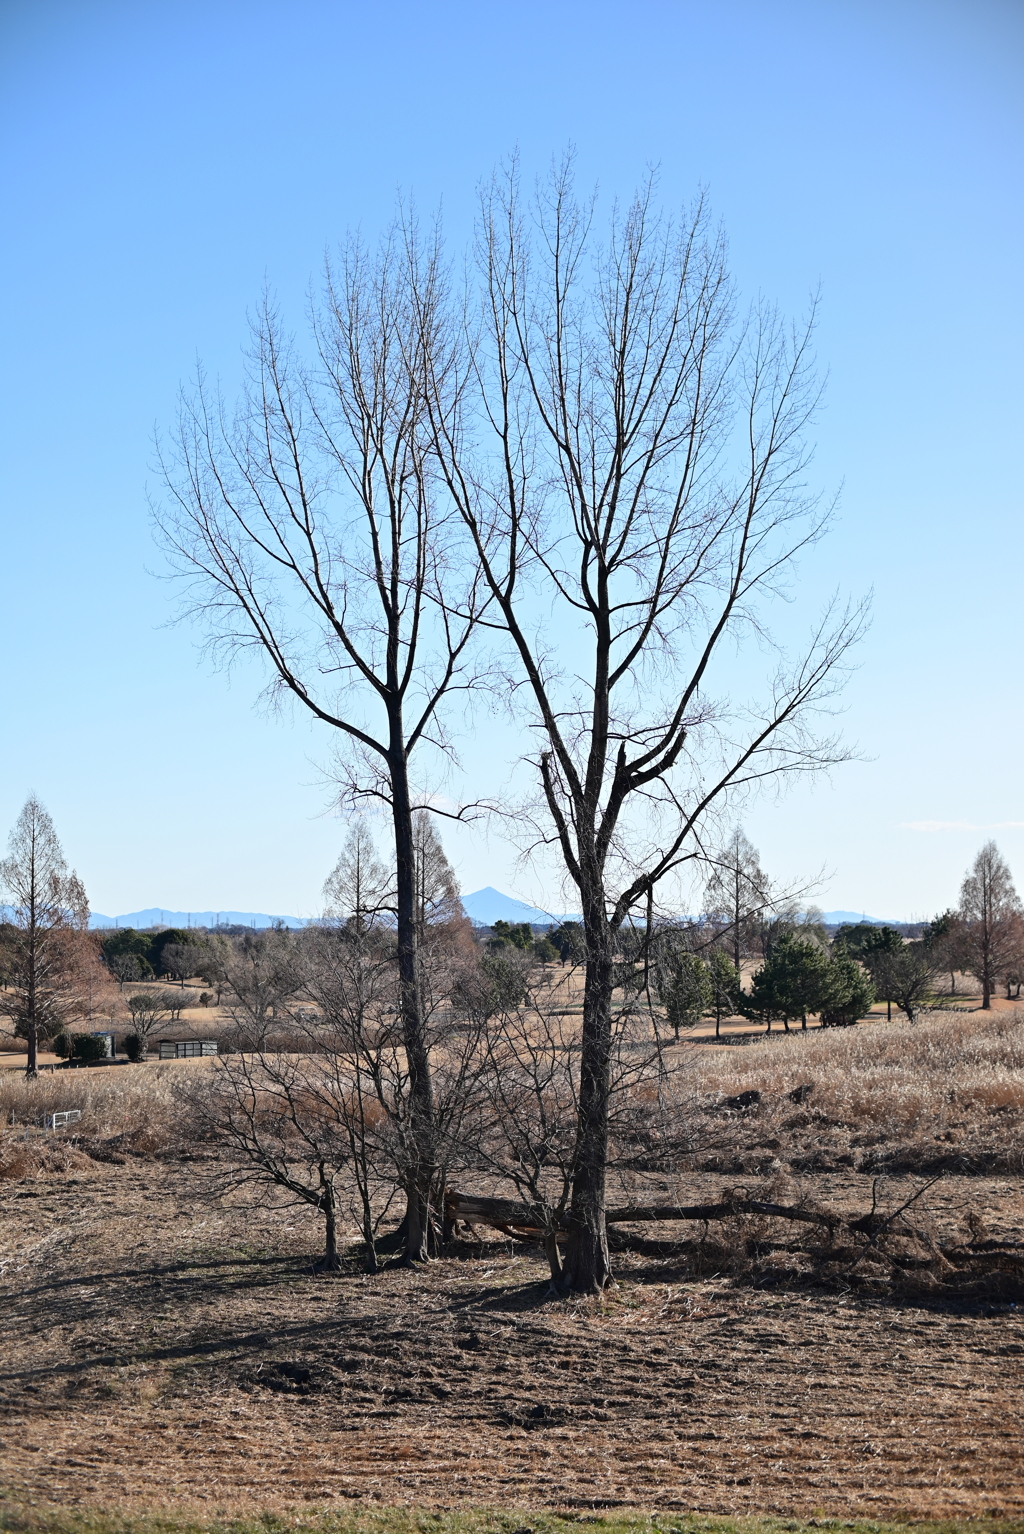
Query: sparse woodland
220, 1241
308, 1102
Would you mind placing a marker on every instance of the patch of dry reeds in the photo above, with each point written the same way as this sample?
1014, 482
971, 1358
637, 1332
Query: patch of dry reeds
127, 1111
944, 1093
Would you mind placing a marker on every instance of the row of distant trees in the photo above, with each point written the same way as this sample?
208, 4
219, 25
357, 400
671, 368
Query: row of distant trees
51, 965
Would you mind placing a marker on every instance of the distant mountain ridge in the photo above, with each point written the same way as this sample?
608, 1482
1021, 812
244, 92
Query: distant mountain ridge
842, 918
483, 907
159, 916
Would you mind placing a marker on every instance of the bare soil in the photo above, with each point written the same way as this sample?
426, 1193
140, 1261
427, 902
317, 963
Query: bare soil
164, 1347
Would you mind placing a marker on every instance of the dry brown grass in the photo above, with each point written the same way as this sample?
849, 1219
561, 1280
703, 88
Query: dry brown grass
130, 1110
950, 1088
165, 1346
948, 1056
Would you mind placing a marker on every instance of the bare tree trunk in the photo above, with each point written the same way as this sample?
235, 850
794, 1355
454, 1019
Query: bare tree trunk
421, 1097
371, 1263
32, 1041
553, 1253
331, 1261
587, 1262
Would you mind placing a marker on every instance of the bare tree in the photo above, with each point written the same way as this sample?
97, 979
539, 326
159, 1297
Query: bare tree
630, 470
944, 936
738, 892
308, 527
1012, 971
124, 967
522, 1125
989, 906
217, 954
265, 972
359, 890
437, 895
148, 1010
525, 1131
50, 957
352, 976
182, 960
282, 1120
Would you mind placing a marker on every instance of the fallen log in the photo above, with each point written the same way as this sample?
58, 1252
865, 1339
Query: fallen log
503, 1214
508, 1215
466, 1206
639, 1213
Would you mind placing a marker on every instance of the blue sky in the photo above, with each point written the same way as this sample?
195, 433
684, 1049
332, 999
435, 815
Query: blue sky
161, 160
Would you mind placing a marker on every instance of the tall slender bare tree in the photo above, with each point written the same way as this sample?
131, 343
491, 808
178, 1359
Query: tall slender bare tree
989, 907
630, 466
49, 970
307, 528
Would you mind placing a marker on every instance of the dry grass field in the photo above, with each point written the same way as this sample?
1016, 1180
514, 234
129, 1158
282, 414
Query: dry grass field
166, 1346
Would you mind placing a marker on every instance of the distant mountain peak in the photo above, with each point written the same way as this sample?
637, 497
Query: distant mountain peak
485, 907
851, 918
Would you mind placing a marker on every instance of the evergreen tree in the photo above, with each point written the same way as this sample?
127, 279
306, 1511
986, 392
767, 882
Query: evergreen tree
792, 982
686, 991
726, 991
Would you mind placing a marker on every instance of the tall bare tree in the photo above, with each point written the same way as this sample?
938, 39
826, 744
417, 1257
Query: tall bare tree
307, 528
989, 905
630, 467
738, 892
265, 972
50, 962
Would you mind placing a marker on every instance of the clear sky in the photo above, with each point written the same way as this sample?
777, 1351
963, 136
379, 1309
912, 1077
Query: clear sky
162, 159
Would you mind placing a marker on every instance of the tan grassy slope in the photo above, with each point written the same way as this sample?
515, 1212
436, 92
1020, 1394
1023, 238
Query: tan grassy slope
944, 1094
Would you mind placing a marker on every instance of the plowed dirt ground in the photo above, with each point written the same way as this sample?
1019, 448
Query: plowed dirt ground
162, 1348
